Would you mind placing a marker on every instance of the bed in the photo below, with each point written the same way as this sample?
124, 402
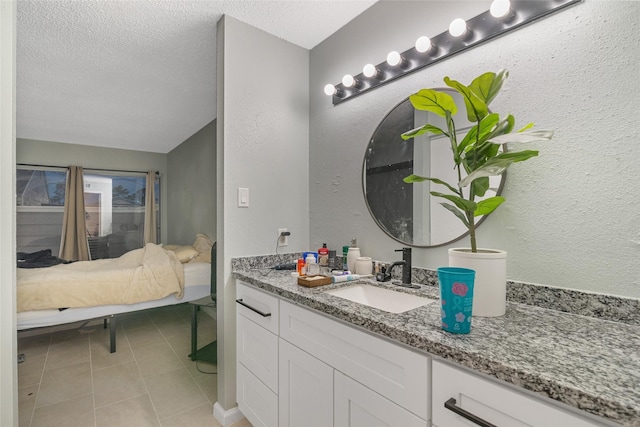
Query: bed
194, 283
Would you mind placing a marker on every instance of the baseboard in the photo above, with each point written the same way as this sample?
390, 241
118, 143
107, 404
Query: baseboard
226, 418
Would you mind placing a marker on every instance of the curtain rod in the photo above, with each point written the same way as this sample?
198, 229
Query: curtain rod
89, 169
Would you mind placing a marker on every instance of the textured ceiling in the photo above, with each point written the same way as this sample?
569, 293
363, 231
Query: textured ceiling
140, 74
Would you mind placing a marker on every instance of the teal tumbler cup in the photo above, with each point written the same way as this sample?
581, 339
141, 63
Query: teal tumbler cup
456, 298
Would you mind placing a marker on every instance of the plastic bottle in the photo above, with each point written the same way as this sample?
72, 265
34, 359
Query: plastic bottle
352, 255
345, 251
300, 266
323, 256
311, 266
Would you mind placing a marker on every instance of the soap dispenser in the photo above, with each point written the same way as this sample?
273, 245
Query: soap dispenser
352, 255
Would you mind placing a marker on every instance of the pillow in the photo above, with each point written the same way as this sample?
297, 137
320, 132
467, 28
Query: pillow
203, 245
184, 253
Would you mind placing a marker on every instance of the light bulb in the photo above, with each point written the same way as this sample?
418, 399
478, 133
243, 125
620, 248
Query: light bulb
348, 80
330, 89
369, 70
394, 58
423, 44
458, 27
500, 8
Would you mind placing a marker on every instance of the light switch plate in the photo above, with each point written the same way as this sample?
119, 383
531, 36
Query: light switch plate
243, 197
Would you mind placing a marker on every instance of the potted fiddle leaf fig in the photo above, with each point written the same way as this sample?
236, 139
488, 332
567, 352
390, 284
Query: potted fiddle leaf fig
476, 157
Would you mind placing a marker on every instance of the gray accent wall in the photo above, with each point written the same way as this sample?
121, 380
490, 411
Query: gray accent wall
191, 187
571, 215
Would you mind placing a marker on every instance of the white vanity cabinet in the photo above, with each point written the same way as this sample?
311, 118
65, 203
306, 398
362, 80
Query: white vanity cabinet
492, 403
309, 370
297, 367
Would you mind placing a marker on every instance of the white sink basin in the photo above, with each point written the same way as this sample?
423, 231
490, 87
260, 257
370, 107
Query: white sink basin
381, 298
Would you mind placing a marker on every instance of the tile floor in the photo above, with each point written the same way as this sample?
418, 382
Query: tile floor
70, 379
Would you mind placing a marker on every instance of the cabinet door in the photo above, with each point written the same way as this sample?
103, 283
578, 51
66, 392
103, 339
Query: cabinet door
494, 403
358, 406
306, 389
399, 374
255, 400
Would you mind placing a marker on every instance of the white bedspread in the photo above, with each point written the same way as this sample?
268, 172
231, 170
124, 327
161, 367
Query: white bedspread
144, 274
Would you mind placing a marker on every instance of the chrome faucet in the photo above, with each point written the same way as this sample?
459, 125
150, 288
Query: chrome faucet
406, 265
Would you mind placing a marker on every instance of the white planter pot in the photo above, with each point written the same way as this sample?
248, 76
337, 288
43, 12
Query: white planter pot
490, 284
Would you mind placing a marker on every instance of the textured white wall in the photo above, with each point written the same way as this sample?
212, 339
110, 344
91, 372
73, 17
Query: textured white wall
263, 145
571, 218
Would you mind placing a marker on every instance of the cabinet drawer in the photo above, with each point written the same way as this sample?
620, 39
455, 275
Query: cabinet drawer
257, 350
493, 402
394, 372
255, 400
257, 306
357, 406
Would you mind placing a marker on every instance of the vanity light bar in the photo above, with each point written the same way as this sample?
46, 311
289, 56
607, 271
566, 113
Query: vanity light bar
479, 29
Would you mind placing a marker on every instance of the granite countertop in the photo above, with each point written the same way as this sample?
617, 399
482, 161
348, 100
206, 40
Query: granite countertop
584, 362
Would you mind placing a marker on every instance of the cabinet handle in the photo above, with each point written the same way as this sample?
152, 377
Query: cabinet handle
451, 405
261, 313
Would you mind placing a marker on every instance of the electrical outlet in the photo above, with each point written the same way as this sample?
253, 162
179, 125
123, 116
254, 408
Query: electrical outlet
282, 240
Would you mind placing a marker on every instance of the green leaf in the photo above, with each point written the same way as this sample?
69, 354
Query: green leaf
504, 127
480, 186
526, 136
422, 130
517, 156
527, 127
492, 167
488, 85
486, 206
476, 107
433, 101
497, 165
486, 126
462, 203
457, 213
415, 178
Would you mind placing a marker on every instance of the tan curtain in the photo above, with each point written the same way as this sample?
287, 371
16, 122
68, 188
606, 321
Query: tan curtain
73, 244
150, 232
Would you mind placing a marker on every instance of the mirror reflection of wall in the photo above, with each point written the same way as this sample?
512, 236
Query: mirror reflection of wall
387, 161
408, 212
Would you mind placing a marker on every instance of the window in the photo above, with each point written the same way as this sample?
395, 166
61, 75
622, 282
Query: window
40, 187
40, 209
114, 210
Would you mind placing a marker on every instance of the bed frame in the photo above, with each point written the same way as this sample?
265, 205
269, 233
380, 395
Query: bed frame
196, 288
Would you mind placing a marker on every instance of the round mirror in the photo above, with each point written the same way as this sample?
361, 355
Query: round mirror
407, 212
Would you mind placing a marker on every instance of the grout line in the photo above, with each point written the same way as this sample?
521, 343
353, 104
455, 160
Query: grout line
121, 400
35, 404
93, 388
146, 387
